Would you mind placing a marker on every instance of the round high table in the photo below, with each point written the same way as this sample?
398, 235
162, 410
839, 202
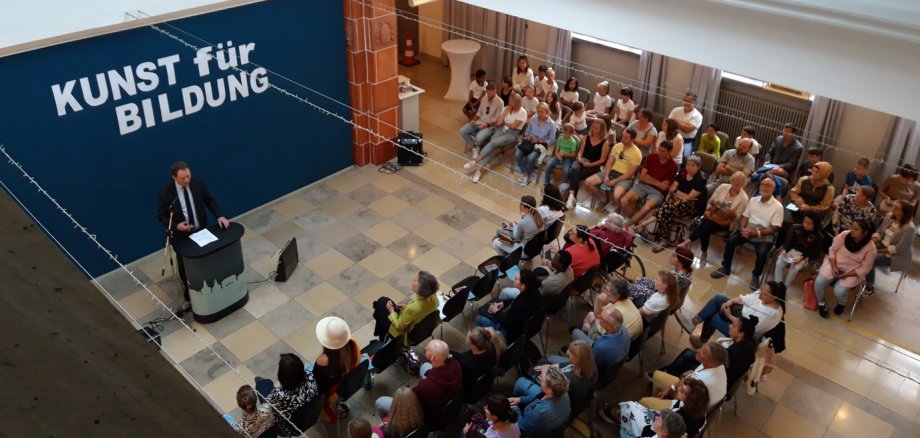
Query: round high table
460, 53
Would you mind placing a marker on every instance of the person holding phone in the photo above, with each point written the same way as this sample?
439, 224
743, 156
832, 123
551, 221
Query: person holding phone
395, 321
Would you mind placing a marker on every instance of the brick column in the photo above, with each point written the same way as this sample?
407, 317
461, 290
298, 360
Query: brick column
371, 46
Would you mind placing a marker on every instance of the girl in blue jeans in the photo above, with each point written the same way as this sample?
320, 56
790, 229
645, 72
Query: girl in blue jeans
540, 130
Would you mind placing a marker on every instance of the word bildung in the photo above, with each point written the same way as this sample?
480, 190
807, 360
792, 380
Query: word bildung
117, 84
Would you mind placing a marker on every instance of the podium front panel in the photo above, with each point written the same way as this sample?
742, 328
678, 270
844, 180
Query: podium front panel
216, 282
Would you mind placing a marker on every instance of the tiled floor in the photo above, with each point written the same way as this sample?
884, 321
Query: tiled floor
363, 234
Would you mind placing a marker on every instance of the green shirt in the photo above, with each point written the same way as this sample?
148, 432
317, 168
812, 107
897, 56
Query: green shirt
710, 145
414, 312
569, 146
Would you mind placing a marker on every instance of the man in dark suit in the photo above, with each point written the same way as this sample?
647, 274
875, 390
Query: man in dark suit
186, 198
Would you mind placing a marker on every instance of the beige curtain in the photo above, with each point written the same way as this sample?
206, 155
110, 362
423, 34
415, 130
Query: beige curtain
560, 52
500, 35
650, 92
706, 82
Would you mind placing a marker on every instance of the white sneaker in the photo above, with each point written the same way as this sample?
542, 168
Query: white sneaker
469, 165
476, 176
524, 180
570, 204
475, 152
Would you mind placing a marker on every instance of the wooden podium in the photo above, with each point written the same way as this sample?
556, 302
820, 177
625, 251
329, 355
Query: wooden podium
214, 272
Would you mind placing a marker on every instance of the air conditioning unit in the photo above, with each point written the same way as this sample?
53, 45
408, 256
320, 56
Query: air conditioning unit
787, 91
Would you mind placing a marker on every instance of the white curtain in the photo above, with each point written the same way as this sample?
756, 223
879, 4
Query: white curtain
823, 126
650, 92
560, 52
496, 32
901, 145
706, 82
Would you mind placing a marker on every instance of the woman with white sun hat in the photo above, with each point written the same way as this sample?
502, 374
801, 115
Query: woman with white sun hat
340, 355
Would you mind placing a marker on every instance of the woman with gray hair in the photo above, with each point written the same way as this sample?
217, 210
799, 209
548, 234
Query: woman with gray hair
687, 199
548, 414
725, 205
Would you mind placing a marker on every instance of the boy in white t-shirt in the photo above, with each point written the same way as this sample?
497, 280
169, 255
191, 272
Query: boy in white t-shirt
602, 102
529, 102
538, 81
477, 89
579, 118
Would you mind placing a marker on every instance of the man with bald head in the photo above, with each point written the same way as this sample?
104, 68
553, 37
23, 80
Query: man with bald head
761, 220
442, 381
739, 159
612, 348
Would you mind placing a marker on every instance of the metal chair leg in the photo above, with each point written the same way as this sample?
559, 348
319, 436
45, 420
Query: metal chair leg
862, 288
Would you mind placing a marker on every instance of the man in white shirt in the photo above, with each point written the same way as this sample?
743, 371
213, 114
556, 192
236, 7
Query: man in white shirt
712, 357
483, 124
689, 120
759, 224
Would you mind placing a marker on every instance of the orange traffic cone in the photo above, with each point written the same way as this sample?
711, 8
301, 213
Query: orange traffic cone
409, 58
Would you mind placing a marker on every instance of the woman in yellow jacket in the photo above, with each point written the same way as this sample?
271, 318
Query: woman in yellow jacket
399, 320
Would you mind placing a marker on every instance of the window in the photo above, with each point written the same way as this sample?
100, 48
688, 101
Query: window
606, 43
768, 86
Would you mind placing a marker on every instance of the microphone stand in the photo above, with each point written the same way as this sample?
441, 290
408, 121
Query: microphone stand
167, 255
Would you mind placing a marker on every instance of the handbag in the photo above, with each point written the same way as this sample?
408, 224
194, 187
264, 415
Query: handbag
409, 360
526, 146
809, 299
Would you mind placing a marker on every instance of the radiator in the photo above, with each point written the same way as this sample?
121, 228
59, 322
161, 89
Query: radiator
737, 110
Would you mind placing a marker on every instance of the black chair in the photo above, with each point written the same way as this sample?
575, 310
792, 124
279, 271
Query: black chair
349, 386
424, 329
453, 307
553, 232
303, 417
533, 247
481, 287
511, 357
534, 326
553, 304
578, 406
481, 387
449, 414
580, 286
637, 346
385, 356
504, 263
422, 431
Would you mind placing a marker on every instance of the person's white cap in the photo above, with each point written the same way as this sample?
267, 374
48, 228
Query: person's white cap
333, 332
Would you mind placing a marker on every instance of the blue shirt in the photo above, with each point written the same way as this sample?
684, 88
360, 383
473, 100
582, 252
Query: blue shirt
543, 131
611, 349
544, 416
852, 181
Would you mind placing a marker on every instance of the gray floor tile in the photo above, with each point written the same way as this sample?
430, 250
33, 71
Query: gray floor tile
229, 324
363, 219
301, 280
204, 366
262, 220
265, 364
459, 218
314, 221
353, 280
287, 319
358, 247
367, 194
410, 246
411, 194
319, 194
353, 313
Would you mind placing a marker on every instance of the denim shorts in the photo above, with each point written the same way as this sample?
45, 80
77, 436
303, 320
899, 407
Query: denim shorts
647, 193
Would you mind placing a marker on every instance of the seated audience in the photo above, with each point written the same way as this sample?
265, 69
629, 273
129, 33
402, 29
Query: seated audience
710, 143
552, 207
548, 84
747, 133
812, 157
340, 355
581, 246
602, 102
555, 274
522, 75
785, 153
612, 233
689, 119
529, 102
569, 94
853, 207
658, 172
691, 404
803, 244
671, 133
507, 128
485, 347
547, 415
655, 296
579, 118
767, 303
813, 192
620, 170
856, 178
614, 294
687, 198
894, 241
733, 161
904, 186
509, 316
498, 419
477, 90
726, 204
516, 234
741, 344
440, 384
567, 146
611, 348
361, 428
539, 79
541, 131
624, 110
257, 417
646, 133
759, 224
712, 357
396, 321
578, 366
479, 130
506, 90
555, 108
405, 413
850, 259
681, 261
592, 155
297, 390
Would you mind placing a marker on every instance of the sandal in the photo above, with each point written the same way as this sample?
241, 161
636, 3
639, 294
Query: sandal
658, 248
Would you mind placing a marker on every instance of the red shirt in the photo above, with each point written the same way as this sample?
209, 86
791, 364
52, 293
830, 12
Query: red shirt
584, 257
666, 171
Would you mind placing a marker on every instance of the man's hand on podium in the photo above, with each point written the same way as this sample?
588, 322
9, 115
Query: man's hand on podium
223, 222
185, 226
